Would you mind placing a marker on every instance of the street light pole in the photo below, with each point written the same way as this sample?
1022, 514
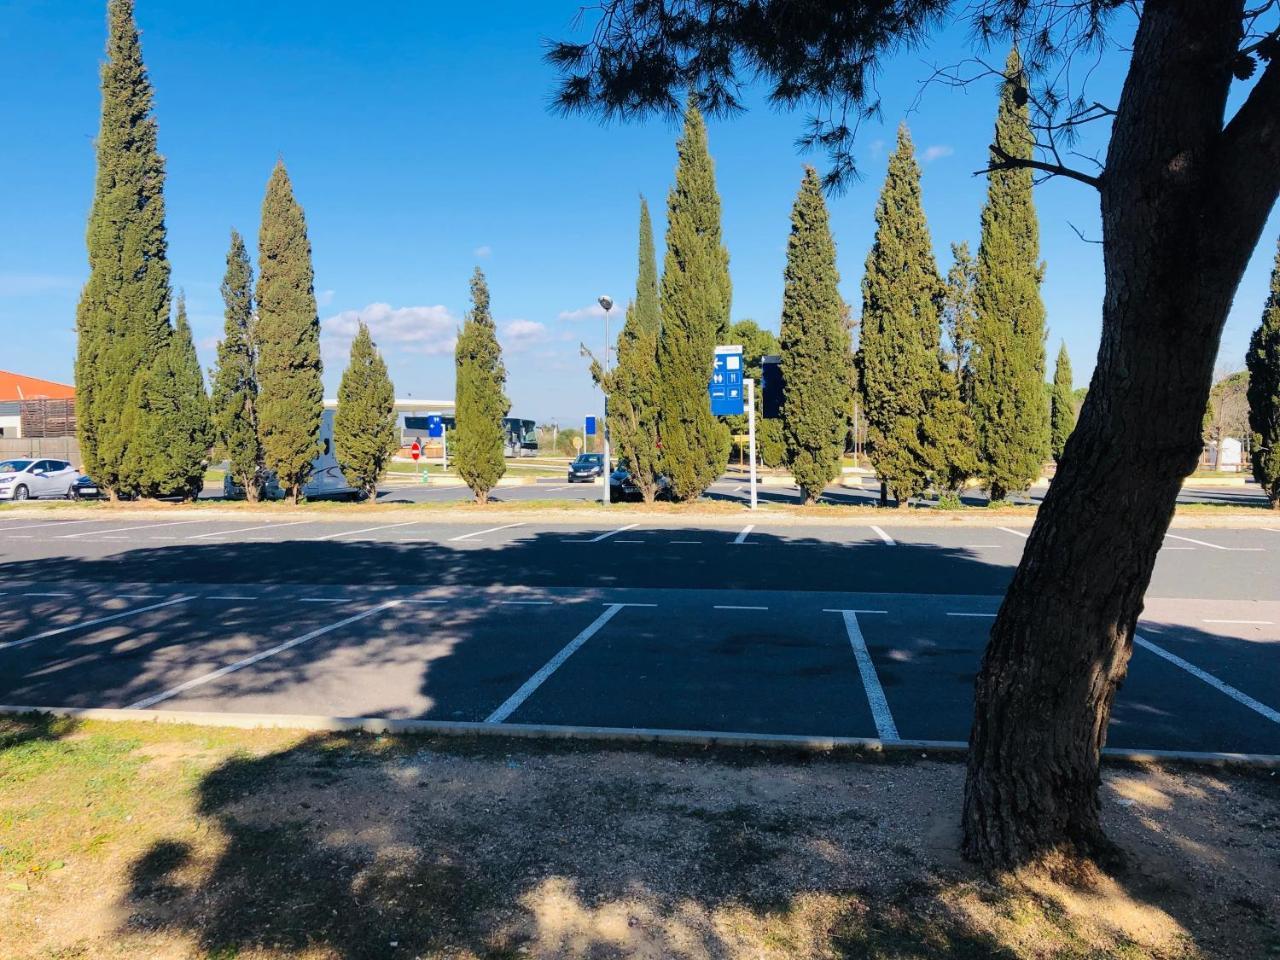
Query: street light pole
606, 302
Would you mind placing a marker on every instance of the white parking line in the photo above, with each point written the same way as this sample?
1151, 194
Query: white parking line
971, 615
884, 536
46, 594
606, 535
1261, 623
257, 657
886, 729
91, 623
133, 529
742, 537
262, 526
729, 606
426, 601
1016, 533
842, 610
513, 702
1237, 695
526, 603
229, 597
1215, 546
352, 533
480, 533
684, 542
321, 600
46, 523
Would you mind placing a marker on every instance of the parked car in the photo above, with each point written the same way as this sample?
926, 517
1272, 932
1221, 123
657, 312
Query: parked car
30, 479
325, 482
84, 489
586, 467
623, 487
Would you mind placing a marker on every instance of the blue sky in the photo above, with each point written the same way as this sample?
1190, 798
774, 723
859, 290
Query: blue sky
420, 143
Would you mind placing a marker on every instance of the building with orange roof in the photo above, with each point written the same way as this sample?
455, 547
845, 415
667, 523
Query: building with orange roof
30, 396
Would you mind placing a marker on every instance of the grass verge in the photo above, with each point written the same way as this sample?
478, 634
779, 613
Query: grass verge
130, 840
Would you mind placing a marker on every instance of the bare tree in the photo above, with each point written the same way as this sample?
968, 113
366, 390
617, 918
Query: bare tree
1184, 189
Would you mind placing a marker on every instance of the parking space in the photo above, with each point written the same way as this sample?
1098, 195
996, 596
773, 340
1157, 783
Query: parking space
894, 665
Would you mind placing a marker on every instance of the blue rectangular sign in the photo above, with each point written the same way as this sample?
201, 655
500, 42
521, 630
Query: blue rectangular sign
725, 388
435, 426
591, 426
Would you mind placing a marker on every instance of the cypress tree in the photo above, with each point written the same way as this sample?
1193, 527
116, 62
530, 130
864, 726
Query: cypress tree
695, 317
122, 321
480, 402
1062, 403
364, 427
1263, 361
1011, 410
235, 381
898, 357
959, 318
815, 350
176, 434
632, 385
287, 333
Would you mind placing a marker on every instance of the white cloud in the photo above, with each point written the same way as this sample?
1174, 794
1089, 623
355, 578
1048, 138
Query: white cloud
425, 330
483, 252
937, 151
522, 334
325, 297
583, 313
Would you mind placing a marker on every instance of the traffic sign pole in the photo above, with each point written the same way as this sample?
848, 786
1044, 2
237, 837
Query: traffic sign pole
751, 434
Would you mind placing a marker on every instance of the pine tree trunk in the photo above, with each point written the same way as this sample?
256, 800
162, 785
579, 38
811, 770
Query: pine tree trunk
1182, 212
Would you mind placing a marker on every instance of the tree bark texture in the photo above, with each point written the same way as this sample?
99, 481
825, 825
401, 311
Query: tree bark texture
1184, 200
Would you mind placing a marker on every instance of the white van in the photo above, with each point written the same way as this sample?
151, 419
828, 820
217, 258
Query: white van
326, 481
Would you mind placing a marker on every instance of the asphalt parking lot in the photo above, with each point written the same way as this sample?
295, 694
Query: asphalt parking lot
741, 626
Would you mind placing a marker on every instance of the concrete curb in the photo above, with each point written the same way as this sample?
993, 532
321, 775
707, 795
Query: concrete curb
703, 738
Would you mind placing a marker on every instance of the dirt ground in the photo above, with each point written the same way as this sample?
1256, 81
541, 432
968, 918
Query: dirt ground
149, 841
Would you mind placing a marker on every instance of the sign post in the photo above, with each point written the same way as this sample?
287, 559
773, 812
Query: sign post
751, 434
725, 387
435, 428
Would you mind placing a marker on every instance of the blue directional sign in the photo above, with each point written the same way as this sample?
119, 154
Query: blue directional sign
725, 387
435, 425
591, 426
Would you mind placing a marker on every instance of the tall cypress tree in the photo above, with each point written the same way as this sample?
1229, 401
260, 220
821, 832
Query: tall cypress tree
291, 394
1010, 403
898, 357
1062, 403
632, 385
695, 316
480, 400
1263, 361
175, 436
235, 382
959, 318
364, 426
122, 321
815, 351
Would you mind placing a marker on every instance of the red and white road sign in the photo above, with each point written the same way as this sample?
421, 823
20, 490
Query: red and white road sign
415, 451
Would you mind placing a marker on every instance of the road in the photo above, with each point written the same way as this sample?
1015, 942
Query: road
750, 624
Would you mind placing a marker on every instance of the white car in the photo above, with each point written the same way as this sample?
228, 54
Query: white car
30, 479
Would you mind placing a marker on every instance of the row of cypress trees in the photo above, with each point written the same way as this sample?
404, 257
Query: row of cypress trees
1263, 363
975, 405
145, 422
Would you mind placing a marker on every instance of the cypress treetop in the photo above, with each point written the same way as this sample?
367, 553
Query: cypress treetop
1062, 403
814, 342
291, 394
1263, 362
695, 297
480, 401
898, 355
364, 426
1009, 399
235, 380
122, 320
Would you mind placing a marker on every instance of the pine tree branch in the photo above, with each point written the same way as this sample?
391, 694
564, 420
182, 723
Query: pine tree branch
1007, 161
1248, 175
